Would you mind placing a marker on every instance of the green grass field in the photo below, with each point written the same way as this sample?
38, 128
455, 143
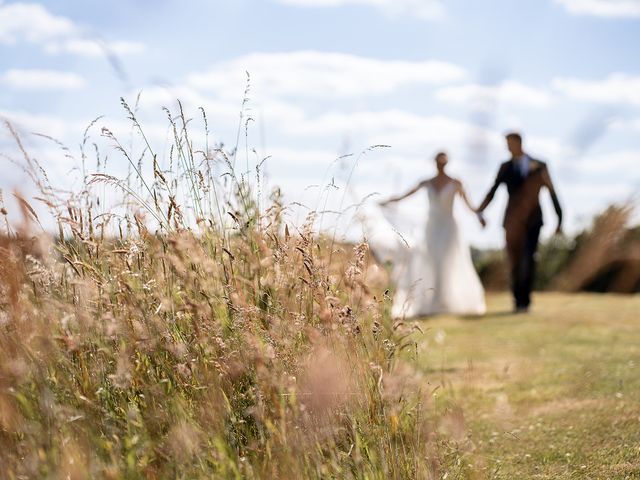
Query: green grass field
550, 395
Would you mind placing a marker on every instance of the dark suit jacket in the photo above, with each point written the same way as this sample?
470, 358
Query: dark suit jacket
523, 209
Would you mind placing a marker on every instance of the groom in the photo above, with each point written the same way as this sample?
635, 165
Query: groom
524, 177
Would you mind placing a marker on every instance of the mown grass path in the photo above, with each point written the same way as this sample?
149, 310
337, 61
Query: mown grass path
553, 394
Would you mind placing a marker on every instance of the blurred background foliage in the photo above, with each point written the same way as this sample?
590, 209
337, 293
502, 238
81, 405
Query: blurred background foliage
604, 257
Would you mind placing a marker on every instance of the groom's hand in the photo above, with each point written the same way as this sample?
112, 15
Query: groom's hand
481, 219
559, 230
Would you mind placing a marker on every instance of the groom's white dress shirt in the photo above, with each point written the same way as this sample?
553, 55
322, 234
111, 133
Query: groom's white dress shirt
522, 163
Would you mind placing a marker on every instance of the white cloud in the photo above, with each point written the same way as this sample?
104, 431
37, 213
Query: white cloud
321, 74
41, 80
603, 8
404, 131
33, 23
487, 96
24, 121
607, 164
558, 152
166, 96
69, 131
424, 9
625, 125
94, 48
616, 88
300, 163
407, 132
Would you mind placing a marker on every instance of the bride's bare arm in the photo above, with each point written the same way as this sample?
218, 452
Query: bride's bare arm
463, 194
409, 193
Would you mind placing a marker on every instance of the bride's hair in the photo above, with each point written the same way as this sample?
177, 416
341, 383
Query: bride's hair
439, 155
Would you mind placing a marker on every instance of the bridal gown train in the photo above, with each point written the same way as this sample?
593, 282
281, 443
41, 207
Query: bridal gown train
433, 274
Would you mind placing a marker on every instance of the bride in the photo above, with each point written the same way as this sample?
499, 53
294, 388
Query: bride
435, 274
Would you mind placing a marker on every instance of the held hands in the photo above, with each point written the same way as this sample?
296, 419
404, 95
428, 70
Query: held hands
559, 231
481, 219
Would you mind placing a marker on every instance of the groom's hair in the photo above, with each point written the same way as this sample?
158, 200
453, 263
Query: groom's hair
514, 136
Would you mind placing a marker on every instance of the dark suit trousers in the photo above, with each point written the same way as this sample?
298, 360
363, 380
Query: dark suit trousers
521, 249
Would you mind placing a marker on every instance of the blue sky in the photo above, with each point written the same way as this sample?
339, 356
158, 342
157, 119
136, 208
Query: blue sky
331, 77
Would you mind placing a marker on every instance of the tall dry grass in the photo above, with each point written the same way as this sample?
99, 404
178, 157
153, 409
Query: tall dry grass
191, 333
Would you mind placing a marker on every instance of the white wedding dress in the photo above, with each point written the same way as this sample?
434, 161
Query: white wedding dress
433, 274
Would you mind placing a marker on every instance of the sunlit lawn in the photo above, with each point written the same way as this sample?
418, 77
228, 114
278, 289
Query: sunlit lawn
553, 394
